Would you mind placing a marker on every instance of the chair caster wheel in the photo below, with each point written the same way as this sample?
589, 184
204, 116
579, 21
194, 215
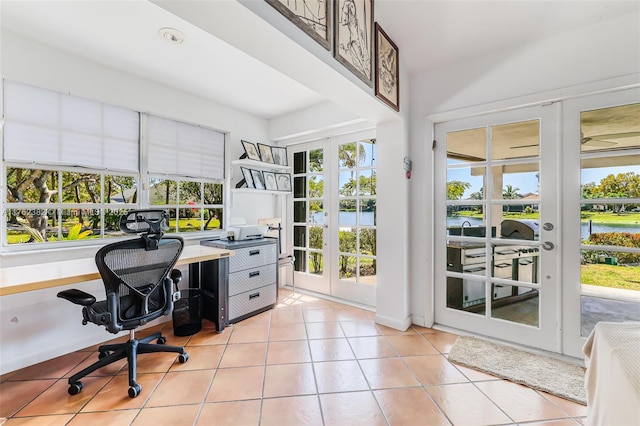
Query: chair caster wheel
183, 358
75, 388
161, 340
135, 391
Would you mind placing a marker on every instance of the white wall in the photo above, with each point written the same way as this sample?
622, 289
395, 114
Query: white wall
598, 57
36, 326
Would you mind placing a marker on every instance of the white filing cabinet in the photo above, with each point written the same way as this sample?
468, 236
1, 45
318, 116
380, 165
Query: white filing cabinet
253, 277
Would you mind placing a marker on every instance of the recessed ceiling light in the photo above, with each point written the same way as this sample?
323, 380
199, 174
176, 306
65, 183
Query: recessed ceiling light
171, 35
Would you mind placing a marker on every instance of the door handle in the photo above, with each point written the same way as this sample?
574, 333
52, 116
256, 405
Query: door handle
548, 245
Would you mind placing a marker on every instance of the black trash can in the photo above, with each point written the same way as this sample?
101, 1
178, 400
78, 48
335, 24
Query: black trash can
187, 312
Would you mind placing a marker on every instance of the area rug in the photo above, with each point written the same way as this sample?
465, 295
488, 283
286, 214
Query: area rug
539, 372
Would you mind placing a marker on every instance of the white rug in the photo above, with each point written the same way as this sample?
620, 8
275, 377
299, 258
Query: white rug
535, 371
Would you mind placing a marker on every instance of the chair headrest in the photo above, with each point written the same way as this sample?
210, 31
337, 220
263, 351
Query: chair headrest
144, 221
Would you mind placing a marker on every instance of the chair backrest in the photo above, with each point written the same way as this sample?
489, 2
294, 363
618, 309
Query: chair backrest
136, 279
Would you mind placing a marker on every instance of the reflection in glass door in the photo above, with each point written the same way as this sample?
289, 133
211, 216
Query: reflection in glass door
496, 228
604, 283
334, 217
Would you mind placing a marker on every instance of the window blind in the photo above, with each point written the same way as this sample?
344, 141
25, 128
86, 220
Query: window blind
182, 149
46, 127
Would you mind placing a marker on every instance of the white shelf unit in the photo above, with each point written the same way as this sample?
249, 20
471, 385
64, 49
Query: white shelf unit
263, 166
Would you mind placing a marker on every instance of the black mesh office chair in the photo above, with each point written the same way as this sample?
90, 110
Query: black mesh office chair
138, 278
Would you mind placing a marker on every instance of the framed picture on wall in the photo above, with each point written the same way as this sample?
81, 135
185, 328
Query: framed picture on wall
283, 182
279, 155
311, 16
258, 182
251, 150
270, 181
387, 79
246, 173
265, 153
353, 37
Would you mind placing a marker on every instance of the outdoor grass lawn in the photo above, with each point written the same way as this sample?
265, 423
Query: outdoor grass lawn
610, 217
613, 276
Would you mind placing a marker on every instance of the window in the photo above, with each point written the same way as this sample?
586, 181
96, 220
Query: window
72, 167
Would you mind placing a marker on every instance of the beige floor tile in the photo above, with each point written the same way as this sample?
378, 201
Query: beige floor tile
287, 332
352, 408
351, 314
56, 399
181, 387
245, 413
434, 370
289, 380
107, 370
478, 408
562, 422
16, 395
372, 347
387, 373
571, 408
209, 336
339, 376
319, 315
441, 340
54, 368
235, 384
169, 416
475, 375
115, 395
286, 316
263, 318
159, 362
288, 352
330, 350
106, 418
411, 406
244, 355
388, 331
200, 358
57, 420
298, 411
360, 328
519, 402
412, 344
249, 334
324, 330
421, 330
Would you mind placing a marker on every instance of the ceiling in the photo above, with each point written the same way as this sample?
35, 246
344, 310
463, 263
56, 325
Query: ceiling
123, 34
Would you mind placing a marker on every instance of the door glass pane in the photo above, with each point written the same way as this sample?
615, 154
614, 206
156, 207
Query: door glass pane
347, 212
300, 162
299, 211
315, 263
515, 140
513, 262
316, 212
315, 237
368, 148
516, 304
300, 236
610, 215
367, 182
299, 186
316, 186
346, 184
466, 294
299, 263
367, 212
316, 160
467, 145
349, 156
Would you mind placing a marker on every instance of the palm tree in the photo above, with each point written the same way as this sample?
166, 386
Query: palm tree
510, 193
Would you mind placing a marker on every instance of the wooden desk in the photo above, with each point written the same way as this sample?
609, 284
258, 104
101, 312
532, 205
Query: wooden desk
20, 279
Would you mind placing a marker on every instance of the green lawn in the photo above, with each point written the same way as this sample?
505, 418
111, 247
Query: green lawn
609, 217
613, 276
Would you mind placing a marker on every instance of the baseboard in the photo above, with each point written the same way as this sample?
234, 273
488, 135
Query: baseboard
401, 325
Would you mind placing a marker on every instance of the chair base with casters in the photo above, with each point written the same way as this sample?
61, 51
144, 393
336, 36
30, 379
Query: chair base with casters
139, 278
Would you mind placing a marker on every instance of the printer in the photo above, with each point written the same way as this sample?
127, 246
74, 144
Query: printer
244, 232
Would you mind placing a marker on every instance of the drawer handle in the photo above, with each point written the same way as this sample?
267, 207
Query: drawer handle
254, 252
254, 274
254, 295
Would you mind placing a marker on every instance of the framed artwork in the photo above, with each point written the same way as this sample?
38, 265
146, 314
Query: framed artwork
353, 37
279, 155
258, 182
311, 16
251, 150
246, 173
387, 78
265, 153
283, 182
270, 181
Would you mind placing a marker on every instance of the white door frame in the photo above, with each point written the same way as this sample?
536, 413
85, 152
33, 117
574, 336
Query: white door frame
546, 336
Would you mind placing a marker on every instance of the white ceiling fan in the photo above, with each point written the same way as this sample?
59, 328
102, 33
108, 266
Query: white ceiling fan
604, 140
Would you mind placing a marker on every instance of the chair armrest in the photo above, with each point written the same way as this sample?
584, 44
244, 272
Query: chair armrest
78, 297
176, 277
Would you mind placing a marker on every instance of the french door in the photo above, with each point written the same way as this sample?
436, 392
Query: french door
334, 217
496, 226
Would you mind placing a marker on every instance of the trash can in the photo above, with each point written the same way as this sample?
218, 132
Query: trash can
187, 312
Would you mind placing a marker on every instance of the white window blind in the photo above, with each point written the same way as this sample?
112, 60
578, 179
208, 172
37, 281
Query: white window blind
182, 149
46, 127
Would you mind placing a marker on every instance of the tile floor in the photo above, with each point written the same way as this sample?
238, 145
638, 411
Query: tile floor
309, 361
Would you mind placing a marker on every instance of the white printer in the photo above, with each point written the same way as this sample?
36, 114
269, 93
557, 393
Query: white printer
244, 232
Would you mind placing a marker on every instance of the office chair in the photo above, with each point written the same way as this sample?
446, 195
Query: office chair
138, 277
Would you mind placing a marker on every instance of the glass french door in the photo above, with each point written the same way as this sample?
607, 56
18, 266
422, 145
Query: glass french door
601, 175
496, 226
334, 217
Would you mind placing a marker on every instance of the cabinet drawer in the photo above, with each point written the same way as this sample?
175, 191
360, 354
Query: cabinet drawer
252, 257
246, 280
249, 301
